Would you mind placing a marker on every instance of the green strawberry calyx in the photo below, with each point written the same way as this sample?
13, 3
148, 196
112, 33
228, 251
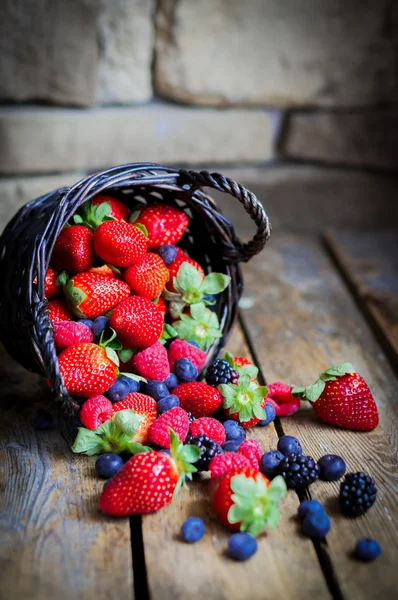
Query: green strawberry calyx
168, 333
115, 435
111, 345
191, 288
313, 392
74, 295
250, 370
246, 398
92, 215
255, 504
183, 456
201, 326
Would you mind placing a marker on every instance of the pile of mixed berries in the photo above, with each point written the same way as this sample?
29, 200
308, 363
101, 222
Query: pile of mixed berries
133, 318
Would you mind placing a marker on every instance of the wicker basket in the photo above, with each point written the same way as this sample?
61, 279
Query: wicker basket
27, 243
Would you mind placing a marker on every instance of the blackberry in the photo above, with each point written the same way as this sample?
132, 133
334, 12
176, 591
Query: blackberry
298, 470
191, 418
209, 449
357, 494
221, 372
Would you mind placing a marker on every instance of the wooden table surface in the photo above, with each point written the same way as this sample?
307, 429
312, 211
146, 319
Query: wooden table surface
308, 303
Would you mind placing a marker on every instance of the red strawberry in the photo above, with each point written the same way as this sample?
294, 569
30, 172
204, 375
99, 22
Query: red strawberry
119, 210
244, 499
73, 251
281, 398
161, 304
251, 449
210, 427
342, 397
67, 333
51, 287
59, 311
106, 270
148, 481
165, 224
200, 399
91, 295
176, 264
241, 365
148, 277
175, 419
119, 243
143, 405
95, 411
86, 370
181, 349
222, 464
152, 363
137, 321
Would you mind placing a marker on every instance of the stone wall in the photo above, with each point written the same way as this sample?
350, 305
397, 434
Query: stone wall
86, 84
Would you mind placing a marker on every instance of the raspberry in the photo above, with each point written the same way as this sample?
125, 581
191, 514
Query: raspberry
223, 463
210, 427
95, 411
67, 333
252, 451
209, 449
175, 419
182, 349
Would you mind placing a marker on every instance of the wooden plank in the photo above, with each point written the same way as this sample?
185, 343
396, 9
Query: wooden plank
369, 262
301, 319
54, 541
285, 566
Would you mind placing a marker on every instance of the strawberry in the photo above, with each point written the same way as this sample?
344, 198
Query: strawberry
174, 267
119, 243
67, 333
148, 277
152, 363
175, 419
59, 311
182, 349
86, 369
143, 405
118, 210
106, 270
161, 304
91, 295
241, 365
137, 321
244, 402
342, 397
148, 481
197, 397
245, 500
165, 224
73, 251
51, 287
210, 427
222, 464
251, 449
95, 411
281, 397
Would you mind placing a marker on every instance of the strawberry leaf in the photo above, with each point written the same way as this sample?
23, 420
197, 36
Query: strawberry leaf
168, 333
125, 354
338, 370
134, 216
215, 283
135, 377
111, 354
87, 442
142, 228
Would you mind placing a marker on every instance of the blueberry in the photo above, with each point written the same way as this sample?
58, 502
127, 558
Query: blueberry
332, 467
107, 465
119, 390
192, 343
168, 253
166, 451
367, 549
134, 384
171, 381
100, 323
156, 389
316, 525
270, 415
269, 463
231, 445
87, 322
210, 298
234, 431
310, 507
167, 403
42, 420
288, 444
242, 546
185, 370
192, 530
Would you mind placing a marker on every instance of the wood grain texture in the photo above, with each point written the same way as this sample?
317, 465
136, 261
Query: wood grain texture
301, 319
54, 541
284, 567
369, 262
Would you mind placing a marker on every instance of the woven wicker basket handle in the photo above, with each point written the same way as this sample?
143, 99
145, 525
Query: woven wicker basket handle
243, 251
